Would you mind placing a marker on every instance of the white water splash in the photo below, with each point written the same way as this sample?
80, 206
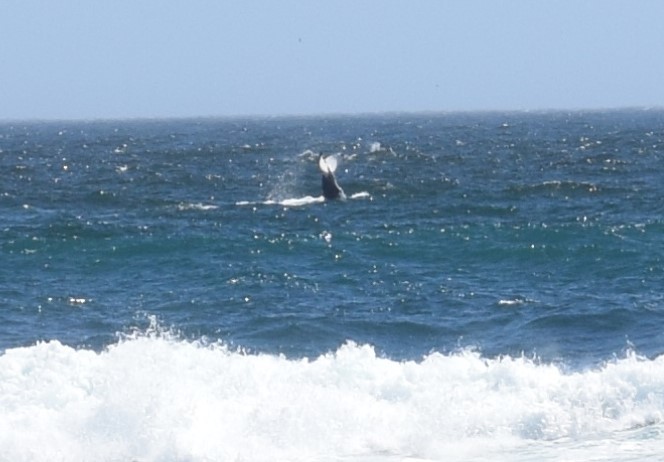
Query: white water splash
300, 201
152, 397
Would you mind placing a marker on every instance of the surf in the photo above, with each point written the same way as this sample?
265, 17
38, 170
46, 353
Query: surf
154, 396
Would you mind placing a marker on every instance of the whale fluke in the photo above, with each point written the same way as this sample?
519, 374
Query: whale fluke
327, 166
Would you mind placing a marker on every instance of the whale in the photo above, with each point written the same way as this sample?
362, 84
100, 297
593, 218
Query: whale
327, 166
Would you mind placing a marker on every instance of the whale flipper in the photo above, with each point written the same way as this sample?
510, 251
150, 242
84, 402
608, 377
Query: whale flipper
331, 189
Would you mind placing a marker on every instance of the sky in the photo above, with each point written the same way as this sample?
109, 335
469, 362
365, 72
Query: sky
92, 59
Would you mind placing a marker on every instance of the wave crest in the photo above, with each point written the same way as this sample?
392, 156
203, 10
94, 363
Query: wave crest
153, 396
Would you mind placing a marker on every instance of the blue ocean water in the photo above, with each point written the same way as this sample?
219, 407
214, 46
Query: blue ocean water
492, 288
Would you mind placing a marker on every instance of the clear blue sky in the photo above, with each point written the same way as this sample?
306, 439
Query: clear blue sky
156, 58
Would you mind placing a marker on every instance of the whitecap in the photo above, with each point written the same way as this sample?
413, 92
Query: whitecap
361, 195
196, 206
375, 147
300, 201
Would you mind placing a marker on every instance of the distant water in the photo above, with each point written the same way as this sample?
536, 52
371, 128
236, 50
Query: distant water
178, 290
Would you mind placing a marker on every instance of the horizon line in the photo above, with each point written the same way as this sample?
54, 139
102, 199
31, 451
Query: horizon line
332, 114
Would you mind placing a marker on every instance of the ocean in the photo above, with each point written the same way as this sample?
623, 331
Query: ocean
492, 288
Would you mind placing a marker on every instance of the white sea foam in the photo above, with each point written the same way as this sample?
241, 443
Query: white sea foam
196, 206
375, 147
297, 201
361, 195
300, 201
157, 398
290, 202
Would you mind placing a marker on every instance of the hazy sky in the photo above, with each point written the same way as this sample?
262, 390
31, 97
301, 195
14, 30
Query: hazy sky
158, 58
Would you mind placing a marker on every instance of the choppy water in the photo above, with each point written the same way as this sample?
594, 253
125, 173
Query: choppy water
179, 290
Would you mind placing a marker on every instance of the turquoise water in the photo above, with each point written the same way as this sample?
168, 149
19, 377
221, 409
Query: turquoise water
493, 278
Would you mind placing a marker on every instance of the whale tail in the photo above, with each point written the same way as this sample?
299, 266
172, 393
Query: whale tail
327, 164
331, 189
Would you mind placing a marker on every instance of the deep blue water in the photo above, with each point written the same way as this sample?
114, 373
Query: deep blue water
516, 232
509, 234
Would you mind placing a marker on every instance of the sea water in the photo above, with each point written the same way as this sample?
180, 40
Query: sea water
179, 290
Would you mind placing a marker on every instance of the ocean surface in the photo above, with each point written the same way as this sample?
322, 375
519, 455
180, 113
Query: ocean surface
179, 290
